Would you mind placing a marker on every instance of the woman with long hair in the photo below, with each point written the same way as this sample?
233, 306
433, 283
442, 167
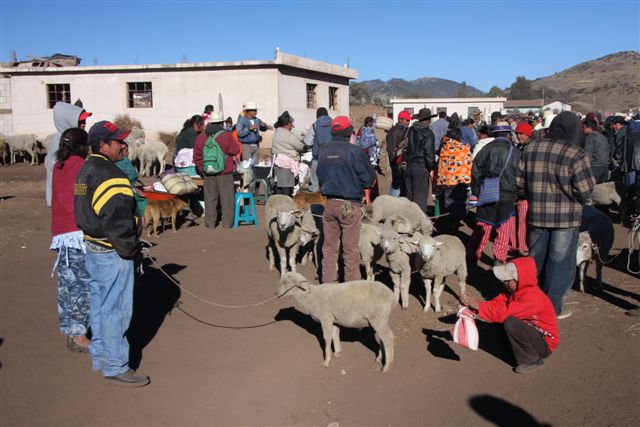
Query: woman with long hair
73, 279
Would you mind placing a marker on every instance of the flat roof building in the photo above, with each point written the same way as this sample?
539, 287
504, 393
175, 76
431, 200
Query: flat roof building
463, 106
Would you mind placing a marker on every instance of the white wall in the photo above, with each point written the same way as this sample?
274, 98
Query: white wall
6, 122
453, 105
557, 105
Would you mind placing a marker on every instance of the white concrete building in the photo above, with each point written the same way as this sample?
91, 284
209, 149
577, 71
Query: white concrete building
463, 106
163, 96
557, 106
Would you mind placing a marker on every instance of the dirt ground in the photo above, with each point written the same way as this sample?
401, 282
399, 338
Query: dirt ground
206, 371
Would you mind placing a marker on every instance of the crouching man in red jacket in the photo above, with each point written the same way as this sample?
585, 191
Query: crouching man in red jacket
527, 314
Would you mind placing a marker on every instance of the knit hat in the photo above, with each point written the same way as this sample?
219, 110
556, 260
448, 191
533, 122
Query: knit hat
524, 128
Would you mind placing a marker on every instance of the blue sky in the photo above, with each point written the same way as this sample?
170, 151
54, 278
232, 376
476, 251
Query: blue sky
481, 42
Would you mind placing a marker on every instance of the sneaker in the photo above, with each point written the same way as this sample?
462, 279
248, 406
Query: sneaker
526, 368
635, 312
564, 314
129, 379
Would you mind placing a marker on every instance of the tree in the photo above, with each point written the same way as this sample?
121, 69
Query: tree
522, 89
359, 94
495, 91
462, 90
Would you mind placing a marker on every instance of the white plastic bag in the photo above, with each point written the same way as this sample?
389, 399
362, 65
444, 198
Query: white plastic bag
465, 332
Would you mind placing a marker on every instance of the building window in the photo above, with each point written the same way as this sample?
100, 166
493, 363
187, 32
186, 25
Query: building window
441, 109
333, 98
311, 95
409, 110
139, 95
58, 92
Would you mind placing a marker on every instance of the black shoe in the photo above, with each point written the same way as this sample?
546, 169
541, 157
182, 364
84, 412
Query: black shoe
526, 368
129, 379
75, 347
635, 312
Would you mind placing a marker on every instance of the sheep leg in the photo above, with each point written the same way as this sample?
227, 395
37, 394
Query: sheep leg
369, 269
463, 286
598, 275
162, 166
386, 336
327, 334
405, 282
395, 277
33, 157
379, 341
427, 296
582, 270
305, 255
282, 252
270, 256
292, 257
438, 287
337, 346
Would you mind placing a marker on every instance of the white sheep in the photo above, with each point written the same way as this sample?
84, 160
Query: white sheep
309, 237
605, 194
584, 255
399, 250
134, 140
148, 153
24, 143
384, 206
282, 222
369, 246
442, 256
356, 304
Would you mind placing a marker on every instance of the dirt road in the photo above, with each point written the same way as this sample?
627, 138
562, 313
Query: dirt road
204, 372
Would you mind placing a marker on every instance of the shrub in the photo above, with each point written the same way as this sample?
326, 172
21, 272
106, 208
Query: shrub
126, 122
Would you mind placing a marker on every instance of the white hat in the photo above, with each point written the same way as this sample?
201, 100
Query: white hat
216, 117
250, 105
548, 118
506, 272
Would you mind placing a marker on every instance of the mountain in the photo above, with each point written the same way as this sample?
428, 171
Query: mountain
425, 87
607, 84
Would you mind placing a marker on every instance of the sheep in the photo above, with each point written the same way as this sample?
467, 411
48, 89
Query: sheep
369, 246
355, 304
399, 249
605, 194
148, 153
282, 219
309, 234
584, 255
134, 140
442, 256
384, 206
25, 143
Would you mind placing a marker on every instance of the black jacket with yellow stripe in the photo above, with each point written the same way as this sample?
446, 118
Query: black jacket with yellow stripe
104, 206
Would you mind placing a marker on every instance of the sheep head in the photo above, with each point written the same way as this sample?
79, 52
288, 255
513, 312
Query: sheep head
399, 224
389, 240
292, 283
429, 247
584, 251
287, 219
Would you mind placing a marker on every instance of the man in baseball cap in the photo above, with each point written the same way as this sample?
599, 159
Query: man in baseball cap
344, 172
106, 211
395, 137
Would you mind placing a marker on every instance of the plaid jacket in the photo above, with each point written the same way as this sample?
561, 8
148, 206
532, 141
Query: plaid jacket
557, 178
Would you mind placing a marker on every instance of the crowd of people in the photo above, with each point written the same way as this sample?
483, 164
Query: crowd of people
543, 171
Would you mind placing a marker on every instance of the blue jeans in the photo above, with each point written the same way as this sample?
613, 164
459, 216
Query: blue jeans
111, 309
554, 250
73, 292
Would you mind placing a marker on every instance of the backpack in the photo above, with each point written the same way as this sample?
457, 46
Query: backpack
213, 158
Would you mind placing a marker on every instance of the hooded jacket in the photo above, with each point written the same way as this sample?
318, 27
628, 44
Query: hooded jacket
65, 116
528, 303
318, 135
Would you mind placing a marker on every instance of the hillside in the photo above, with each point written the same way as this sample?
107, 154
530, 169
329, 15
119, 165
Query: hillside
609, 84
424, 87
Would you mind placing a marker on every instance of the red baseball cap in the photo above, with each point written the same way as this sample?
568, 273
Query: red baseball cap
84, 115
340, 123
404, 115
524, 128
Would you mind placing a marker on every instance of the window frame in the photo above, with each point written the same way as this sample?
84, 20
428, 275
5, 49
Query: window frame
312, 96
333, 97
135, 88
63, 95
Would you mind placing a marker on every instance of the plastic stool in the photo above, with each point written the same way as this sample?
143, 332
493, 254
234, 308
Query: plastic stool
244, 213
255, 189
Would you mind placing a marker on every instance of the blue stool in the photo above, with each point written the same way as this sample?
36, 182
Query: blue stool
244, 213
